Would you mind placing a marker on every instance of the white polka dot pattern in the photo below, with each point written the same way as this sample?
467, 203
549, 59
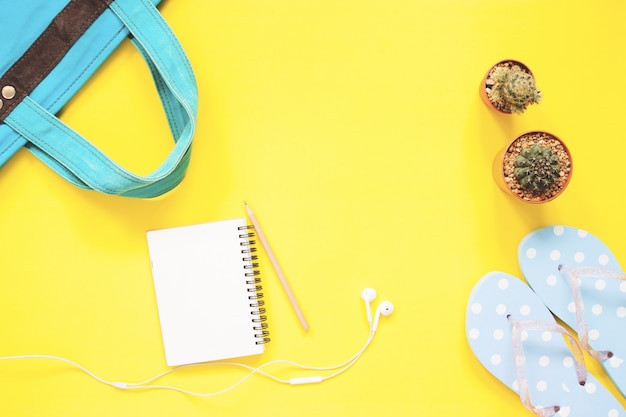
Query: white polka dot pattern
604, 299
548, 362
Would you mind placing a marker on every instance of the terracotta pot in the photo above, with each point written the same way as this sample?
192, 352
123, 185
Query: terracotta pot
506, 180
483, 84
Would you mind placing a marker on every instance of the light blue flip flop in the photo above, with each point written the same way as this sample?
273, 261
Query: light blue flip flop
580, 281
516, 338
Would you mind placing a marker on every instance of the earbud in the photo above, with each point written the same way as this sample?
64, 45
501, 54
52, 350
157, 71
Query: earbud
368, 295
385, 308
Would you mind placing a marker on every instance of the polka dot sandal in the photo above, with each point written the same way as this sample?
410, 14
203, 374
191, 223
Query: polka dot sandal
516, 338
579, 280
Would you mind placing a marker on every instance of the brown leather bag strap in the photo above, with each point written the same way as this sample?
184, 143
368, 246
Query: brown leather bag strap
47, 50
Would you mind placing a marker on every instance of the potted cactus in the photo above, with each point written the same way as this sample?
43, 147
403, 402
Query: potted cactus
535, 167
509, 87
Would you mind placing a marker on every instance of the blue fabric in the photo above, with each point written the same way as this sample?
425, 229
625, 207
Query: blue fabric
32, 123
32, 14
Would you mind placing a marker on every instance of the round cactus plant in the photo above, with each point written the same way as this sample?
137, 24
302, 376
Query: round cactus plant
537, 168
512, 88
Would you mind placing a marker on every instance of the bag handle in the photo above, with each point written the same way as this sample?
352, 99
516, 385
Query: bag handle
83, 164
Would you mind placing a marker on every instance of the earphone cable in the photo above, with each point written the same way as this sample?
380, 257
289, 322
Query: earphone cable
147, 384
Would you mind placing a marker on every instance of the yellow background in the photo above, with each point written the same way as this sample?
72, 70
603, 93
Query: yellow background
355, 131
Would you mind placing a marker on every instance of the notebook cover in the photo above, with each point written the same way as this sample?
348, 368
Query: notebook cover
202, 292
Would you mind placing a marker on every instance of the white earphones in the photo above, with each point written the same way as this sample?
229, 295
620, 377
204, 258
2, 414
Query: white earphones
385, 308
368, 294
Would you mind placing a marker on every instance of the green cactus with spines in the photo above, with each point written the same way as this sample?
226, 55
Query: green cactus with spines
513, 88
537, 168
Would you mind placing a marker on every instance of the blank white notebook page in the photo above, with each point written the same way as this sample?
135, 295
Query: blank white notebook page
202, 292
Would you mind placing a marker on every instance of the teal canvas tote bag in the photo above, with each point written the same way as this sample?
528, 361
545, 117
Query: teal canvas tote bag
49, 50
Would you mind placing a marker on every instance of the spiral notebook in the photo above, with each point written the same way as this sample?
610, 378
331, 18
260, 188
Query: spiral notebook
208, 291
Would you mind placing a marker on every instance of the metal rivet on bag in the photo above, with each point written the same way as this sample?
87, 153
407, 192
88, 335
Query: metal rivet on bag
8, 92
1, 104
